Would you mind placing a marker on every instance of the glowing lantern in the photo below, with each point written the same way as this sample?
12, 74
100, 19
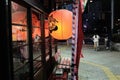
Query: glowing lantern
60, 24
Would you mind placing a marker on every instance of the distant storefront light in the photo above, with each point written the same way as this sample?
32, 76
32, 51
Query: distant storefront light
91, 1
118, 19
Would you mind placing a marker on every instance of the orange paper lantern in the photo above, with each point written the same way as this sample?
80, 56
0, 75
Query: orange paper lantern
62, 20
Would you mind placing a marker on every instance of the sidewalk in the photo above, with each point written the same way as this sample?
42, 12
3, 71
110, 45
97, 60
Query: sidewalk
96, 65
99, 65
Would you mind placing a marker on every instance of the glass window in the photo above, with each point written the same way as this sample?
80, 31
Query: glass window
36, 37
19, 41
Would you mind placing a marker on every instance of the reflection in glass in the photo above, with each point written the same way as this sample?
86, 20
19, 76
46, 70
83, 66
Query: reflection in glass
36, 36
19, 14
19, 41
19, 33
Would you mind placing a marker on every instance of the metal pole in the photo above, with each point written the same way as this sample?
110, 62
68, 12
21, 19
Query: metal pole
112, 24
112, 15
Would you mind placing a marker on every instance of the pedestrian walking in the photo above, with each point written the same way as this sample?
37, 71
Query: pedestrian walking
96, 38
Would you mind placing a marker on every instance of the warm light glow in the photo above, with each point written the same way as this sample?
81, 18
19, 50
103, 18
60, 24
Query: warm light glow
63, 20
19, 32
37, 30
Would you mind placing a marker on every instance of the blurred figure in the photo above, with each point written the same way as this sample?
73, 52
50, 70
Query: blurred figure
96, 41
106, 42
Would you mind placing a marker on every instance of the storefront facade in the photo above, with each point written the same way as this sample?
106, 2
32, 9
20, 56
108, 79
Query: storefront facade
22, 56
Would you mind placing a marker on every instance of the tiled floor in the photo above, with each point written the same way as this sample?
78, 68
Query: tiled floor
96, 65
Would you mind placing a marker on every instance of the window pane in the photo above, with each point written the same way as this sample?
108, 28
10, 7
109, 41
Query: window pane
19, 41
19, 14
19, 33
36, 36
